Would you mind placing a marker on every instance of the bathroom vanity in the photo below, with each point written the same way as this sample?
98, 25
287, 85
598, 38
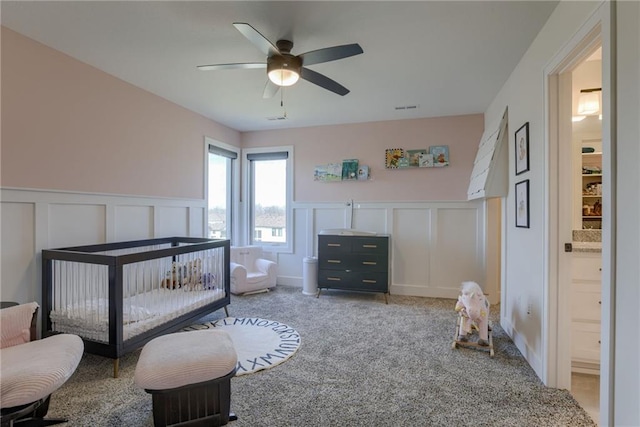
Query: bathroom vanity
586, 301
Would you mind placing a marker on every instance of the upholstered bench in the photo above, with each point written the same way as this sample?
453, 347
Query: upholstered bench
188, 375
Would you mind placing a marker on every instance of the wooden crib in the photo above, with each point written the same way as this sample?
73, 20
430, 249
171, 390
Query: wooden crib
118, 296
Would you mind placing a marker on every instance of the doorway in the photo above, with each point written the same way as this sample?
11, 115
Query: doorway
595, 33
586, 263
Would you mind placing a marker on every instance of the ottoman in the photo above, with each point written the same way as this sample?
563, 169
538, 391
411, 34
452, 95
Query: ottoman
188, 375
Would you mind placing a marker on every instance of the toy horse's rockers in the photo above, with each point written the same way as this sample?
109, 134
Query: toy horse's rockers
473, 309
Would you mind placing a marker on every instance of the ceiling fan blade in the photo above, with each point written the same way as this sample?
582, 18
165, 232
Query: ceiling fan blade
270, 89
236, 66
323, 81
254, 36
330, 54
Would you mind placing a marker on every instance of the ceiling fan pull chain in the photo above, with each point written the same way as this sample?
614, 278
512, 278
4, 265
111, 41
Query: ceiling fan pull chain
282, 103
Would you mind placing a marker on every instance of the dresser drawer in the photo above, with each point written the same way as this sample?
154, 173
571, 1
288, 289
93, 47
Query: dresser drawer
369, 262
333, 262
357, 281
330, 244
354, 262
370, 245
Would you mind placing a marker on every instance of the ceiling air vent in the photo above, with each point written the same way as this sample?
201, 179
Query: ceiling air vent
276, 118
407, 107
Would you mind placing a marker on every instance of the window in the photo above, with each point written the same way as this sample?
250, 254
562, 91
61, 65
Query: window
220, 186
269, 189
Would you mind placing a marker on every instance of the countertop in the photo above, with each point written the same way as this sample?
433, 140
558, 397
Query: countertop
587, 241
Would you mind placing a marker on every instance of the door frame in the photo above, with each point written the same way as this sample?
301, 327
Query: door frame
597, 30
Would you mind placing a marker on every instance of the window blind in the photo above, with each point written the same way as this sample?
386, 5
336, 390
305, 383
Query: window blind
276, 155
222, 152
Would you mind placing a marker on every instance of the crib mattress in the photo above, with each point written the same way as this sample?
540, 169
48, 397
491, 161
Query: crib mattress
142, 312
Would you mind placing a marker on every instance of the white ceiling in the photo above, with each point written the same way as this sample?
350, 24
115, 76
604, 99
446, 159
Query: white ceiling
446, 58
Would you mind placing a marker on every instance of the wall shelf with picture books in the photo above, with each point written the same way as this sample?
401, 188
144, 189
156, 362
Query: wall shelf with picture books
435, 156
347, 170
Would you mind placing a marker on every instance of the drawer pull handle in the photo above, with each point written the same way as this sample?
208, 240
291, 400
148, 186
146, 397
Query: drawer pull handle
600, 269
336, 245
370, 246
334, 261
369, 263
599, 342
369, 281
600, 302
335, 279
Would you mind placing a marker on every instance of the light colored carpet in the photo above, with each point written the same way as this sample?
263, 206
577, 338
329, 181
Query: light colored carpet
259, 343
363, 363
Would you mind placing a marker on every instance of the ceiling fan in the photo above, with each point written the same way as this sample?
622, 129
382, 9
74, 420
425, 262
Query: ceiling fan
283, 68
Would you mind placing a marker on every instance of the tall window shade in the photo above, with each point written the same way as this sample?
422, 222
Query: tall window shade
269, 189
220, 186
489, 177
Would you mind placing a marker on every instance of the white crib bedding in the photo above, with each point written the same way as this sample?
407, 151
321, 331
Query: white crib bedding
90, 318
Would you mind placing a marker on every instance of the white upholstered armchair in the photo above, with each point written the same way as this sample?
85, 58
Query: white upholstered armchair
249, 271
30, 369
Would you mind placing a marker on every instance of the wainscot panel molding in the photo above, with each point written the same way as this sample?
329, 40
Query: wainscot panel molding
33, 220
435, 245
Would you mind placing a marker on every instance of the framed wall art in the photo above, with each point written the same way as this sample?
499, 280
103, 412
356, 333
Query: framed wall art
440, 155
425, 160
522, 204
522, 149
349, 169
414, 156
363, 172
393, 157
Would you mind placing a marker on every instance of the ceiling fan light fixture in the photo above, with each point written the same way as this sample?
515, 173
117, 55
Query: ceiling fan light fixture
283, 77
284, 70
589, 102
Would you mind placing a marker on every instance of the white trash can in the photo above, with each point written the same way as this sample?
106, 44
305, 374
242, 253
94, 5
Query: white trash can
310, 275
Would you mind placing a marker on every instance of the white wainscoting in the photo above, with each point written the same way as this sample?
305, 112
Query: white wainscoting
33, 220
435, 245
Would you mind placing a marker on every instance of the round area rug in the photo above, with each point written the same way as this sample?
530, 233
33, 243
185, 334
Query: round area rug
260, 343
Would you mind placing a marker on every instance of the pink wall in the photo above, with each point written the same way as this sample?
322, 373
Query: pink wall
69, 126
367, 143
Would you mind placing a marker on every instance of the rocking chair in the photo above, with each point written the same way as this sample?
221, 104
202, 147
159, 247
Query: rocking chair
30, 369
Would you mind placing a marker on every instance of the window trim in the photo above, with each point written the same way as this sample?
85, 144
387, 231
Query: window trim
235, 185
247, 189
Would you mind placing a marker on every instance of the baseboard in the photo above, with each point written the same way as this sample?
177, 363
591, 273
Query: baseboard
423, 291
289, 281
585, 368
532, 358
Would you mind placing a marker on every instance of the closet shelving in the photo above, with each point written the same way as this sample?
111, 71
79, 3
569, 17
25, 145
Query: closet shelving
592, 190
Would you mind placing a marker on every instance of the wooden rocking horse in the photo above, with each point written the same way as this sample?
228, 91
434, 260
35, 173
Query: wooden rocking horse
473, 314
